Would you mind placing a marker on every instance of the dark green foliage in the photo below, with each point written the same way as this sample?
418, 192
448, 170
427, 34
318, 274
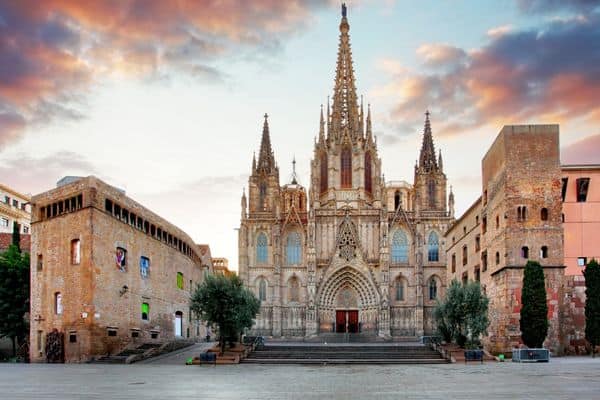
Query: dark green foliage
14, 294
462, 316
534, 309
226, 302
592, 304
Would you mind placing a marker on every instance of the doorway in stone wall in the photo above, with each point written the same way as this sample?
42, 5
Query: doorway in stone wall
346, 321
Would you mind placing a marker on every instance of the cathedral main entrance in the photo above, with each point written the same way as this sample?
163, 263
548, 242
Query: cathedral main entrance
346, 321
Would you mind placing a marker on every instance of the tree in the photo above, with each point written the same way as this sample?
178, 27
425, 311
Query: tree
16, 235
462, 316
14, 294
534, 309
223, 300
592, 304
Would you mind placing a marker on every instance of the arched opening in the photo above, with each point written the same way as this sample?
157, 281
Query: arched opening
399, 247
397, 200
399, 292
544, 214
433, 288
346, 168
433, 253
431, 193
324, 173
262, 198
262, 290
261, 248
544, 252
75, 251
293, 248
294, 290
178, 323
368, 183
58, 308
525, 252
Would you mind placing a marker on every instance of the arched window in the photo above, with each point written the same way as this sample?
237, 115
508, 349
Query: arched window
497, 258
368, 183
433, 253
397, 200
525, 252
346, 169
432, 289
544, 214
262, 290
399, 247
431, 193
262, 197
261, 248
293, 250
464, 255
58, 308
145, 311
324, 172
399, 289
544, 252
294, 287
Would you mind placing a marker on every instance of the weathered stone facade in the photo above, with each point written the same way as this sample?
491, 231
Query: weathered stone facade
107, 272
518, 218
354, 254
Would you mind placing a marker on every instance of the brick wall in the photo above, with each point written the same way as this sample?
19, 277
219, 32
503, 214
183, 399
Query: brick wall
6, 240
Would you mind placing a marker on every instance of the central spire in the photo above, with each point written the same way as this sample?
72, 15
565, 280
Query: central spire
427, 159
345, 102
266, 160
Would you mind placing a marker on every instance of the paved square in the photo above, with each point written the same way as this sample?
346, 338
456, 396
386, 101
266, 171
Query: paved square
564, 378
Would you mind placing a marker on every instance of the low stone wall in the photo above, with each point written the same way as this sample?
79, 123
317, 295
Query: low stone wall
573, 315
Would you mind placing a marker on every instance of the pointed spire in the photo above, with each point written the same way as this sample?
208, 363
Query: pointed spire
369, 129
451, 202
254, 162
362, 118
322, 127
345, 104
294, 176
266, 161
244, 204
328, 119
427, 161
440, 163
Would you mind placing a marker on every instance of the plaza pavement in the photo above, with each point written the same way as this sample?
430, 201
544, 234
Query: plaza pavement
562, 378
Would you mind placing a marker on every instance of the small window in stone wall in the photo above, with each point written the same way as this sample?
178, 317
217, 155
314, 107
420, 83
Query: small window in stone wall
180, 280
112, 332
525, 252
72, 337
144, 267
544, 214
58, 308
40, 262
75, 251
135, 334
497, 258
544, 252
154, 335
121, 259
145, 311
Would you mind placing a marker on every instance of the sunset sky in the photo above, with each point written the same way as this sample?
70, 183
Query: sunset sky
165, 98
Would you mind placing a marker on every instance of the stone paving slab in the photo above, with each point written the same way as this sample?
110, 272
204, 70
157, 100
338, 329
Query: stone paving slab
562, 378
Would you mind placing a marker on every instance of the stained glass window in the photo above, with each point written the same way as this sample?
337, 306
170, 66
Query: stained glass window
399, 247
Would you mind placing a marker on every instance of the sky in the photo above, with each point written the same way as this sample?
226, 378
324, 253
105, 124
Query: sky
165, 99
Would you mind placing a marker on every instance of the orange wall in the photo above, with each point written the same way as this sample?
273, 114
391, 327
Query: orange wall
582, 220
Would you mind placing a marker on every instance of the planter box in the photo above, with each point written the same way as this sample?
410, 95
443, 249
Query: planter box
530, 355
473, 355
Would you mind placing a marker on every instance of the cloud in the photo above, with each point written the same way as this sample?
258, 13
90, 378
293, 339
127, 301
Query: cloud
585, 151
544, 75
35, 175
54, 50
546, 6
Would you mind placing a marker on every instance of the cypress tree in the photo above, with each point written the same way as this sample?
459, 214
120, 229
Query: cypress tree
534, 309
16, 236
592, 304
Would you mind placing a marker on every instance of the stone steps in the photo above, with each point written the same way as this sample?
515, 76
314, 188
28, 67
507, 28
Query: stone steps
344, 354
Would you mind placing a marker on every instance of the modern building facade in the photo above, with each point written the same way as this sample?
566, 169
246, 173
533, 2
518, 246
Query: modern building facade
14, 208
108, 273
352, 253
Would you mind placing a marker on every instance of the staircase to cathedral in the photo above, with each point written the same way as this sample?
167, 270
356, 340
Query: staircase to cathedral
337, 353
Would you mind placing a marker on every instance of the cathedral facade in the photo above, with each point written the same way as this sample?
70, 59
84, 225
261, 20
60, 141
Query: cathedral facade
354, 253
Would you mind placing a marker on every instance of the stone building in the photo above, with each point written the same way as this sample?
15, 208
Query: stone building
14, 208
108, 272
221, 266
352, 253
517, 218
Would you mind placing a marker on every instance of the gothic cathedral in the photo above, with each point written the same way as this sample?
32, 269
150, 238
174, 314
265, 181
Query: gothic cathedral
355, 254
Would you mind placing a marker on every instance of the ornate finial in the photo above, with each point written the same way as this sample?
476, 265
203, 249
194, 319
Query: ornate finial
294, 177
266, 116
427, 114
344, 10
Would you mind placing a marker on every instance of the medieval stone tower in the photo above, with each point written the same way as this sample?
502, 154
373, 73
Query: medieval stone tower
359, 255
